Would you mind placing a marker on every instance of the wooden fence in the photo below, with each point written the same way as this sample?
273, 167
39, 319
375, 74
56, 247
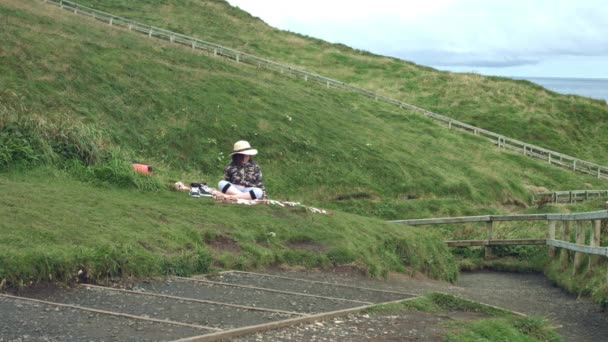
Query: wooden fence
502, 142
569, 196
556, 238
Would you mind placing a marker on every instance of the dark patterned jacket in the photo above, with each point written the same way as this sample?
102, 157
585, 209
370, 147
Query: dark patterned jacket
248, 175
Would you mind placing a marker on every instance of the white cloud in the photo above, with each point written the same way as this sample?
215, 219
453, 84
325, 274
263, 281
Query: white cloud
473, 33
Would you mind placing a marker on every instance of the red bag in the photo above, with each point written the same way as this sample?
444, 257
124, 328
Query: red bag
143, 168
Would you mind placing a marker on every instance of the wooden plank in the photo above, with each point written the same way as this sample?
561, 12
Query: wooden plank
580, 240
469, 243
444, 220
488, 248
590, 192
551, 236
578, 248
595, 242
564, 254
530, 217
592, 215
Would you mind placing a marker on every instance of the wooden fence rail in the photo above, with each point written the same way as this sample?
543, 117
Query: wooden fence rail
591, 215
565, 220
502, 142
570, 196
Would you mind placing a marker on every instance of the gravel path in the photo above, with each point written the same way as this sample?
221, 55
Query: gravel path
577, 319
210, 315
334, 290
244, 296
26, 321
409, 326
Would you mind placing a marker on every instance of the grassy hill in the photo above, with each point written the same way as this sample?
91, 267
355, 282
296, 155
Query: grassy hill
58, 229
518, 109
81, 99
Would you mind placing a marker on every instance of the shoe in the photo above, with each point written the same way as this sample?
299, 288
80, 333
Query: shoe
205, 191
195, 192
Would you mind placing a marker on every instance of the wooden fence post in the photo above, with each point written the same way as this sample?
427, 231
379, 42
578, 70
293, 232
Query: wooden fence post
564, 254
551, 236
595, 242
488, 249
580, 240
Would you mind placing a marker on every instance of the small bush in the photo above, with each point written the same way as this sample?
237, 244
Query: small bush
115, 171
33, 139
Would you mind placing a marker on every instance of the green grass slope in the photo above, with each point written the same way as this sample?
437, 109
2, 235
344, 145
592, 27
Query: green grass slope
55, 227
519, 109
182, 111
79, 99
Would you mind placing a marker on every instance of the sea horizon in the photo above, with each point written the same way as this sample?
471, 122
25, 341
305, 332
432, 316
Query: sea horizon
592, 87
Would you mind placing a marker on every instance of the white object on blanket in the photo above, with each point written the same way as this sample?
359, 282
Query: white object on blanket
245, 201
281, 204
293, 204
276, 203
316, 210
181, 186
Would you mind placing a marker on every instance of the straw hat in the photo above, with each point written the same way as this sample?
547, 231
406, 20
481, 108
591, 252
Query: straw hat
243, 147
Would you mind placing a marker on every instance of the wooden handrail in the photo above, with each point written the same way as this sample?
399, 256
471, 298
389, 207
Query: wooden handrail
592, 215
579, 247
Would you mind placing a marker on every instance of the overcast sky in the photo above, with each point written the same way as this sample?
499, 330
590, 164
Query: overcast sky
533, 38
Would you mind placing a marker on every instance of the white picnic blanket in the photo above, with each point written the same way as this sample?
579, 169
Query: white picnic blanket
282, 204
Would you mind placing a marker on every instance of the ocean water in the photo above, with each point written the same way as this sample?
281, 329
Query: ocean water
596, 88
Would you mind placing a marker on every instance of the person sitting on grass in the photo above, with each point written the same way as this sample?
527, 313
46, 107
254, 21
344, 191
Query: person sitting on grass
243, 177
